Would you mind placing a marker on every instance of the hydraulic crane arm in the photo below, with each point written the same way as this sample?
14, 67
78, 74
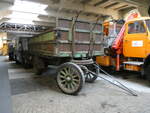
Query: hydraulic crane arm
118, 42
117, 45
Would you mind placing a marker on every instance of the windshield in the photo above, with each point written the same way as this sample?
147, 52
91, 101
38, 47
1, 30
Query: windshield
148, 24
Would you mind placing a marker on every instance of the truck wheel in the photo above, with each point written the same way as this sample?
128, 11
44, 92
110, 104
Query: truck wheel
26, 64
70, 78
147, 72
17, 62
38, 65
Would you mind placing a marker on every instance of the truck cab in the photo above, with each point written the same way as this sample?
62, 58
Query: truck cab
136, 43
135, 47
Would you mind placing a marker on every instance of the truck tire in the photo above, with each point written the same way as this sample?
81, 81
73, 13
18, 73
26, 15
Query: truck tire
70, 78
26, 64
147, 72
38, 65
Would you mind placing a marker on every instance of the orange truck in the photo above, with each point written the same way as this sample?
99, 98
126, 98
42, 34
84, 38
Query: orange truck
133, 53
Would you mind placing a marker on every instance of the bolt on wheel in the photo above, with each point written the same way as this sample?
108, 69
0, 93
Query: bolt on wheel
70, 78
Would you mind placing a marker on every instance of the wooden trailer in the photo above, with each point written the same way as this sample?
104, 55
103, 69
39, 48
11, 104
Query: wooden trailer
71, 46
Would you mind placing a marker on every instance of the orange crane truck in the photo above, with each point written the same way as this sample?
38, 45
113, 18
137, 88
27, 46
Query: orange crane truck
130, 50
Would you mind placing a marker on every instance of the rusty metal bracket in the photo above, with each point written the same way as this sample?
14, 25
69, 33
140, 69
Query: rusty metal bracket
113, 81
72, 32
92, 38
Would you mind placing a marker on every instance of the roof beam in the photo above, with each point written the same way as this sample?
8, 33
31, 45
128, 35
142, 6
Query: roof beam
22, 32
85, 8
111, 5
118, 5
121, 7
63, 14
51, 24
75, 7
46, 18
131, 2
45, 22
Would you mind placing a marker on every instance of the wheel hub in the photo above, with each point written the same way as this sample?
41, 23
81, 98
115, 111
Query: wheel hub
68, 79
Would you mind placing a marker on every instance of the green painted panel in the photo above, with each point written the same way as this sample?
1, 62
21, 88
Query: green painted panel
64, 54
79, 54
45, 37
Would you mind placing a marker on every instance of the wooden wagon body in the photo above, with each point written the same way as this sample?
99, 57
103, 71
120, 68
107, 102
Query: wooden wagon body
69, 47
58, 43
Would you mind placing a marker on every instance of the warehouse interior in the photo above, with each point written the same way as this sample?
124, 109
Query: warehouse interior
74, 56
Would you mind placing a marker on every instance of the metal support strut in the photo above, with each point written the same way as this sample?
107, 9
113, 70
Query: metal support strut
114, 81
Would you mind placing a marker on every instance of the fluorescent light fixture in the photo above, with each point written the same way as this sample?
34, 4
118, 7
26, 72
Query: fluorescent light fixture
27, 6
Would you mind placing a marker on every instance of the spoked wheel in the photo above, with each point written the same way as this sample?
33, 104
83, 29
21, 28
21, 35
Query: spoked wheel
70, 78
89, 77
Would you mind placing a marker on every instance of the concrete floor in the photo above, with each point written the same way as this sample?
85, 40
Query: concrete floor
39, 94
5, 95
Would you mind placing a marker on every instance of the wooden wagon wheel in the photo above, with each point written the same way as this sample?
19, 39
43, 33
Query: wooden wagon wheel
70, 78
89, 77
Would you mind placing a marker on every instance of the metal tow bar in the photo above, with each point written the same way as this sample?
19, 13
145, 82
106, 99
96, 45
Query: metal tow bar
114, 81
